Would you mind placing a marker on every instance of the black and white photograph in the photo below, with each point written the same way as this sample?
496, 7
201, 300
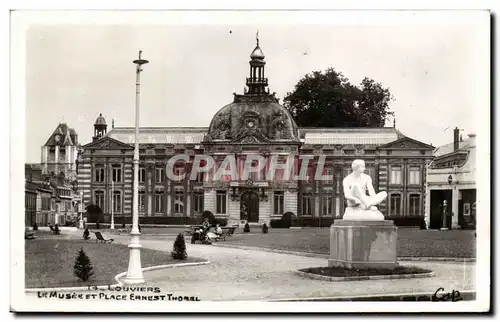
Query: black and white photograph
250, 161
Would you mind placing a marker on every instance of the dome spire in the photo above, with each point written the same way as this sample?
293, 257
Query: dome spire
257, 83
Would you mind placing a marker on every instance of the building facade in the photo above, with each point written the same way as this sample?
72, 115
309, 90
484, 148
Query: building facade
60, 152
49, 199
253, 124
451, 185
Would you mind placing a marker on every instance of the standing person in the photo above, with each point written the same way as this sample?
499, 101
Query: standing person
56, 229
86, 234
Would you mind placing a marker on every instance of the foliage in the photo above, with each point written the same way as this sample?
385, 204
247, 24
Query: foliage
179, 251
94, 213
221, 221
83, 267
211, 218
328, 99
287, 219
264, 229
247, 228
312, 221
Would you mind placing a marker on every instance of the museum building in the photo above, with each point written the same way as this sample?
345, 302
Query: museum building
253, 124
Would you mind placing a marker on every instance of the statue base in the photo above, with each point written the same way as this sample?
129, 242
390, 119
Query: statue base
362, 244
357, 213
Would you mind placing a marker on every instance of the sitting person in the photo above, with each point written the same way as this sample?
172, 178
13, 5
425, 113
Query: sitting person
206, 225
218, 230
57, 230
361, 206
86, 234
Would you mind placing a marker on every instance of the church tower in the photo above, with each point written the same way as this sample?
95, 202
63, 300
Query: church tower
60, 151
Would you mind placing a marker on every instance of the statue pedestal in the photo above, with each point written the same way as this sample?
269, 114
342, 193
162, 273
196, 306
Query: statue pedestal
363, 244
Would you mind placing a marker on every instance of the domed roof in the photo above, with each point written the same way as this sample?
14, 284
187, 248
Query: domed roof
100, 120
253, 119
257, 53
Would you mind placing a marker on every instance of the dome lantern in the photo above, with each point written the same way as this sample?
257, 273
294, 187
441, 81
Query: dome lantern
100, 127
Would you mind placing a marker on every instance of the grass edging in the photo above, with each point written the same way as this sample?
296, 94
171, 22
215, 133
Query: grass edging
325, 256
105, 287
363, 278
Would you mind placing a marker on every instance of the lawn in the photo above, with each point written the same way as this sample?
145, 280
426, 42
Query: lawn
49, 262
411, 242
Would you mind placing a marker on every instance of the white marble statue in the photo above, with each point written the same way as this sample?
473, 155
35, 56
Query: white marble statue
361, 206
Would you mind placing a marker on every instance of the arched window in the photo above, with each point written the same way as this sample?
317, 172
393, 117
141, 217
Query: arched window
117, 201
99, 199
179, 202
395, 204
159, 201
142, 201
414, 205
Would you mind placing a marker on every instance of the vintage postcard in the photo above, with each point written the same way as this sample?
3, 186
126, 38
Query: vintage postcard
250, 161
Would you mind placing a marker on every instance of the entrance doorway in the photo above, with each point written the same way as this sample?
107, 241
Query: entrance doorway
436, 215
249, 210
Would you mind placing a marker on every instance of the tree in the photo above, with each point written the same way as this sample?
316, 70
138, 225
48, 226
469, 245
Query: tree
83, 267
211, 218
328, 99
179, 251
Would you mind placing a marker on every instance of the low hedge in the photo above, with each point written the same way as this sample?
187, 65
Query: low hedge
158, 220
313, 221
414, 221
278, 223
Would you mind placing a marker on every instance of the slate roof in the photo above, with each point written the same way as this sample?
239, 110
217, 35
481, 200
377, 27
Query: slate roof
66, 134
194, 135
165, 135
349, 136
448, 148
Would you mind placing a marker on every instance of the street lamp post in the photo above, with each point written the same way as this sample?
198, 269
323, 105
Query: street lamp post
445, 212
80, 210
134, 273
112, 205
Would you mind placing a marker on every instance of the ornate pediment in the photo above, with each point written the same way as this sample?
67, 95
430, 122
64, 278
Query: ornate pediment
107, 143
250, 139
406, 143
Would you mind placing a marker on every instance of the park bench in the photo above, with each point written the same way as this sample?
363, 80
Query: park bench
28, 234
192, 229
99, 237
55, 231
226, 231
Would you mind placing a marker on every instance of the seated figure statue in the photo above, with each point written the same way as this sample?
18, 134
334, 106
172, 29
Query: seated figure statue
361, 206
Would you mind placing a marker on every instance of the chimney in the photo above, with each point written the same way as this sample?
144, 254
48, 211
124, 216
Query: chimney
456, 140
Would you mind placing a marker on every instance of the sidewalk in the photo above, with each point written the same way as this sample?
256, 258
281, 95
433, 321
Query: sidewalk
236, 274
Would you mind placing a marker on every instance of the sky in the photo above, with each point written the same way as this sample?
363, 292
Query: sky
435, 68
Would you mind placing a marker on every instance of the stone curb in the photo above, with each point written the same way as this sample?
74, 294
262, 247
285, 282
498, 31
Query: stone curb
117, 277
437, 259
105, 287
318, 255
469, 293
363, 278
